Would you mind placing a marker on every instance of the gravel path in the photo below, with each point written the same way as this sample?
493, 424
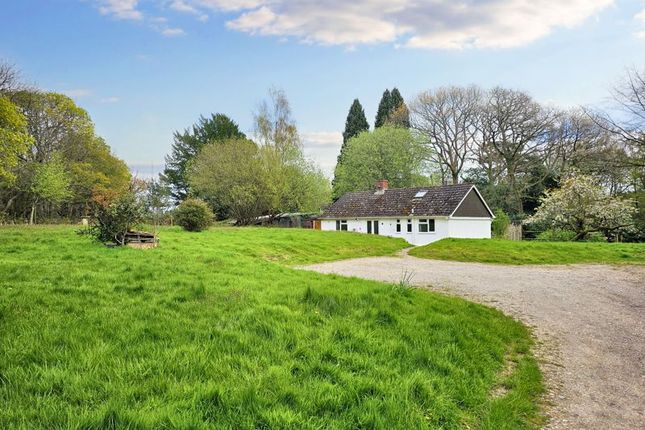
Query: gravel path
589, 321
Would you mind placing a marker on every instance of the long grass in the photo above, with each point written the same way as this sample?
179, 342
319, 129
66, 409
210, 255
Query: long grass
215, 331
532, 252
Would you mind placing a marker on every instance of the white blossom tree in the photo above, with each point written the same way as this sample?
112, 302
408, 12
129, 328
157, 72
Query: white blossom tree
583, 207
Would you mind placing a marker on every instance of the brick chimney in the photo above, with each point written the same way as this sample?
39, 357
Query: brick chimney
381, 186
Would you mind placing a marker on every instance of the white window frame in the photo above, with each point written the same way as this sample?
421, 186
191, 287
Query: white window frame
398, 226
340, 223
409, 228
425, 222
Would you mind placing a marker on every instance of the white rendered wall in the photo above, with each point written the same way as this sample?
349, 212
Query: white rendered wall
470, 228
387, 227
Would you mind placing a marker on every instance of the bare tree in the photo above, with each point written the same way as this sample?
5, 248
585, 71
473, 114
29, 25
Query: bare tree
275, 126
447, 121
515, 128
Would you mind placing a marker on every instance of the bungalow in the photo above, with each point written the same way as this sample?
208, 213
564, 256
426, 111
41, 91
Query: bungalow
418, 215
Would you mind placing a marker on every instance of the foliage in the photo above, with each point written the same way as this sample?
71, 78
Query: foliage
386, 153
193, 215
64, 166
531, 252
187, 145
355, 123
216, 331
115, 215
253, 181
14, 139
500, 223
447, 122
383, 110
584, 207
392, 110
556, 235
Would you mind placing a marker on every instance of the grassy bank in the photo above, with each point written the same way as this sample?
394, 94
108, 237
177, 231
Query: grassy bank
532, 252
214, 330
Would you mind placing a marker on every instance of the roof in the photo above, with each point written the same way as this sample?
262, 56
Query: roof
438, 201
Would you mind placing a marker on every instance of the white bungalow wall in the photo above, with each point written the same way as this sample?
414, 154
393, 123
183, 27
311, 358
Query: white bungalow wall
475, 228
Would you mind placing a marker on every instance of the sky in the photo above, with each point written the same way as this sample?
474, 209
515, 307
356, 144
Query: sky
145, 68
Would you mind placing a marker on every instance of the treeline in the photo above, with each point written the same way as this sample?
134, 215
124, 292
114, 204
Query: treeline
52, 163
243, 178
503, 140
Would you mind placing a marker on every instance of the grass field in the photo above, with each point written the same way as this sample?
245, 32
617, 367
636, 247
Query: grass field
532, 252
215, 330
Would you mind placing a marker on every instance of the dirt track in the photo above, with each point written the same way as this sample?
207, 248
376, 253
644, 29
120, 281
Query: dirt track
589, 321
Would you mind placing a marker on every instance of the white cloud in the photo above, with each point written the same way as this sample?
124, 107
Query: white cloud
437, 24
77, 92
323, 147
173, 32
443, 24
640, 34
109, 100
121, 9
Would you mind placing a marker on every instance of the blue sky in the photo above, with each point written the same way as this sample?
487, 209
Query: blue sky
144, 68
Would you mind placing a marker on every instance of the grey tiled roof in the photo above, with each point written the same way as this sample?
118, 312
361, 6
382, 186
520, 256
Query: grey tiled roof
438, 201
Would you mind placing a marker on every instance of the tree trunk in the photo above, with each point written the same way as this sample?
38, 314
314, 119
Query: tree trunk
32, 216
455, 178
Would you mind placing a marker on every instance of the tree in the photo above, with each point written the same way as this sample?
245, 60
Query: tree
627, 121
51, 120
583, 207
447, 120
294, 183
50, 183
239, 184
386, 153
355, 123
384, 108
187, 145
14, 139
398, 115
515, 133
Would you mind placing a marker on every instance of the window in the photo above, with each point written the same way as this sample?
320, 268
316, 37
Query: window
426, 225
398, 226
341, 225
420, 194
369, 227
409, 226
375, 227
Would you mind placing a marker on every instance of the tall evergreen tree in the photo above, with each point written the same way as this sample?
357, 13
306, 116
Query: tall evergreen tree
399, 115
187, 145
384, 109
355, 123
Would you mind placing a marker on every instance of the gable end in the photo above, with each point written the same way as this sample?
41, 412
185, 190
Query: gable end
472, 206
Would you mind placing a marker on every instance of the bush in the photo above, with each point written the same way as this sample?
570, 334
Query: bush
500, 223
556, 235
114, 216
193, 215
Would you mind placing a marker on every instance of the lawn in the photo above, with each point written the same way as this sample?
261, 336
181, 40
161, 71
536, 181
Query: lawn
532, 252
215, 330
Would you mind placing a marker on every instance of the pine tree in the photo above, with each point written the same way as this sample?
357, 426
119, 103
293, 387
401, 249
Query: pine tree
384, 108
187, 145
399, 114
355, 123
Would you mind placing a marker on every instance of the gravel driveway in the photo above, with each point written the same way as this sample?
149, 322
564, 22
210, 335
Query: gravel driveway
589, 321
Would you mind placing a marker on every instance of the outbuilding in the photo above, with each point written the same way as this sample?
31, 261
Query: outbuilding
418, 215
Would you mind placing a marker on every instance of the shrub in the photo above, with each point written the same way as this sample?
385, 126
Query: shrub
500, 223
556, 235
114, 216
193, 215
